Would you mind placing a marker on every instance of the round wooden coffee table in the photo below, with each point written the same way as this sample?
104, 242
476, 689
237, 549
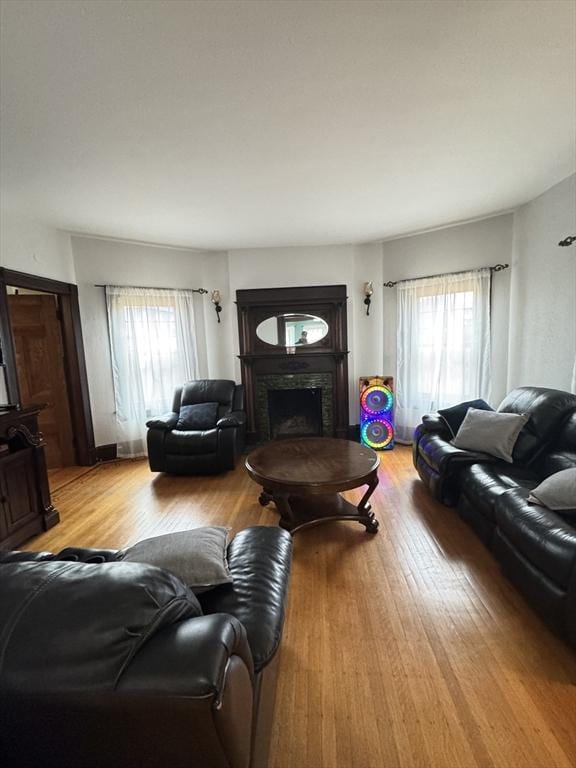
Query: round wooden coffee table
303, 478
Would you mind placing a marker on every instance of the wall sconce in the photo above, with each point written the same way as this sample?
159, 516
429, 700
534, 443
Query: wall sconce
368, 291
216, 299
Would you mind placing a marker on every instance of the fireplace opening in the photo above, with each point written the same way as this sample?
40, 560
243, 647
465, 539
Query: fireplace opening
295, 412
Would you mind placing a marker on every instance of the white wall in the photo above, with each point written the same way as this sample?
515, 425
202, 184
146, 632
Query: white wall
322, 265
106, 261
478, 244
219, 335
533, 308
543, 291
28, 246
112, 262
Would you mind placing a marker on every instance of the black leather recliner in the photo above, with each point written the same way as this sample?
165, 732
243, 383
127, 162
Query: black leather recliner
535, 546
199, 451
110, 663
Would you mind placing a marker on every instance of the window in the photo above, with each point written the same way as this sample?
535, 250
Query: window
443, 345
153, 346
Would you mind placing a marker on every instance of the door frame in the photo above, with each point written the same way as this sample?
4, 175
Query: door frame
74, 359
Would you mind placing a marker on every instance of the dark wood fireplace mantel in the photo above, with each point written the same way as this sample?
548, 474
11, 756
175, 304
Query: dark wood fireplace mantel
323, 364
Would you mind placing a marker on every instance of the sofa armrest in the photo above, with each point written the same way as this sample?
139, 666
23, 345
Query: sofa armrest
433, 422
233, 419
166, 421
259, 559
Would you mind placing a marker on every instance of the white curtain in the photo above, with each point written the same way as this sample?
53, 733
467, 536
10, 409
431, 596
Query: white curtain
443, 345
153, 345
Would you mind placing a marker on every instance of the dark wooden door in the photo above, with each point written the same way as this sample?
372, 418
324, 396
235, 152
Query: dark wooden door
41, 372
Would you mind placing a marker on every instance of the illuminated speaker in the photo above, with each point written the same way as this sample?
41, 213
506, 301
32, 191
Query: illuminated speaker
377, 412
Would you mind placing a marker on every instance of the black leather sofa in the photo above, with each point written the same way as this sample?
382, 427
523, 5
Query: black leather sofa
199, 451
119, 664
535, 546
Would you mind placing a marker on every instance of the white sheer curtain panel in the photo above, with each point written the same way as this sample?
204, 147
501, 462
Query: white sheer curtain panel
443, 345
153, 346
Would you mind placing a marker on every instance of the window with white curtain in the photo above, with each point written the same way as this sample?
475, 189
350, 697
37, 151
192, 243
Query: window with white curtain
443, 345
153, 347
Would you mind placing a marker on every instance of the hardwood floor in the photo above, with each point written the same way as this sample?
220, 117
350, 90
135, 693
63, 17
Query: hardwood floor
404, 648
61, 476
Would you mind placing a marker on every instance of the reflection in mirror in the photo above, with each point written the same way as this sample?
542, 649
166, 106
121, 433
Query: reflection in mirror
292, 330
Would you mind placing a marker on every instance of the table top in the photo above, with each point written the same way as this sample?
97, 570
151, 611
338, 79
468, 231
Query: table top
312, 461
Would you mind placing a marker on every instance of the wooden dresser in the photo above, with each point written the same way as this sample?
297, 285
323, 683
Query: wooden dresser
25, 505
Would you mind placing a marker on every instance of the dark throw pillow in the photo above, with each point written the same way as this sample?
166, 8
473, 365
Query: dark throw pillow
454, 416
201, 416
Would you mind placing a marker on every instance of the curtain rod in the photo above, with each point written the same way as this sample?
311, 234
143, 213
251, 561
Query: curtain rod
495, 268
150, 288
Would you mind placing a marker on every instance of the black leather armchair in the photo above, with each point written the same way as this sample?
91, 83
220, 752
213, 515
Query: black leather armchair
199, 451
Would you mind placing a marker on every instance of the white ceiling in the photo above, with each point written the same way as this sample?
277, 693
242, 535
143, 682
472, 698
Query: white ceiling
239, 124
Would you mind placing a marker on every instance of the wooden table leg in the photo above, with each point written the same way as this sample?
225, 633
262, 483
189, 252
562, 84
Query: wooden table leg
286, 515
265, 497
298, 512
365, 508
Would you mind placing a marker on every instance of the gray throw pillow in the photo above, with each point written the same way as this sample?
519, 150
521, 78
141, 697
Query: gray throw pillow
490, 432
197, 557
556, 492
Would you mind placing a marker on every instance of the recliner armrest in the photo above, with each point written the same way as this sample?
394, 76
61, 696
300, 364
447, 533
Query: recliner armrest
233, 419
189, 658
17, 556
259, 559
166, 421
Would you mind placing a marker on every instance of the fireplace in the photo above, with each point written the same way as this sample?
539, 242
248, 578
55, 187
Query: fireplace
313, 374
295, 412
289, 394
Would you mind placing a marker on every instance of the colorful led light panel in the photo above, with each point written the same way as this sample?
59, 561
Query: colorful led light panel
376, 399
377, 433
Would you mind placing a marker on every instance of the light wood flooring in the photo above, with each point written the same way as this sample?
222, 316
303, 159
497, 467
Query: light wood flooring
61, 476
404, 648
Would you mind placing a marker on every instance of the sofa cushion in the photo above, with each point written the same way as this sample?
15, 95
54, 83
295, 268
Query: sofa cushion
543, 537
562, 453
484, 483
454, 416
490, 432
69, 626
197, 417
197, 557
191, 442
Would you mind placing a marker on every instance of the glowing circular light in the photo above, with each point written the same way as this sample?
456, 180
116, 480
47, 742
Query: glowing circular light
377, 433
376, 399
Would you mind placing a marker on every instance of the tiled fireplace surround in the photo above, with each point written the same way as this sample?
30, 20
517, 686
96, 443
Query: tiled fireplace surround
293, 381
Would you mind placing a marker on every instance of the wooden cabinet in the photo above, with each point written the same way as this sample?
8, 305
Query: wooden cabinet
25, 505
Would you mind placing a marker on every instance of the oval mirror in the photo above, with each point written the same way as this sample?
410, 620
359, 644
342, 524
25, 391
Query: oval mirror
292, 330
